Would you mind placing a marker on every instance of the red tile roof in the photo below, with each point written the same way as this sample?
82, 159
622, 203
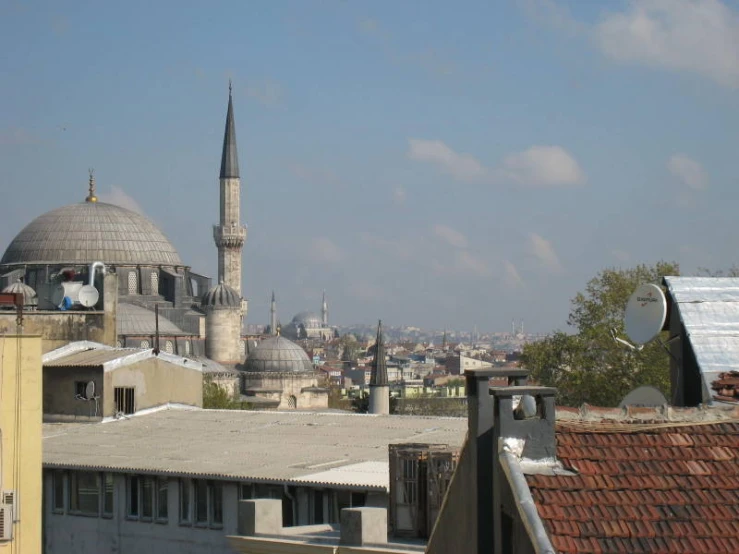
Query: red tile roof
661, 488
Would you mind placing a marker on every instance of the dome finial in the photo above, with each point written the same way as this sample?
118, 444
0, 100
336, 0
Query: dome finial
91, 196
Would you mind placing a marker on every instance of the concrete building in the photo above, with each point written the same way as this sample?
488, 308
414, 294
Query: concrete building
20, 442
171, 481
87, 381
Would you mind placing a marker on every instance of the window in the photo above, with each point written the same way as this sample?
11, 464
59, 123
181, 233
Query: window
145, 344
202, 499
133, 282
84, 493
187, 347
169, 347
154, 283
148, 498
185, 496
57, 501
292, 402
124, 400
80, 388
107, 495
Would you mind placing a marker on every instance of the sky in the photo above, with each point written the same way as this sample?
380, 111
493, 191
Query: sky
431, 163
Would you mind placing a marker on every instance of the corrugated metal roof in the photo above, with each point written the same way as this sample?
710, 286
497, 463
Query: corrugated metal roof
278, 447
709, 311
91, 358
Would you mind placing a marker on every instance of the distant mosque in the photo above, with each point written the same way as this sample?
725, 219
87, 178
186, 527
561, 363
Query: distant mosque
305, 325
61, 255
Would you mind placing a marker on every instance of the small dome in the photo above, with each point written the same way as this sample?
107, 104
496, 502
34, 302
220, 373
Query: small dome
221, 296
279, 355
19, 287
309, 320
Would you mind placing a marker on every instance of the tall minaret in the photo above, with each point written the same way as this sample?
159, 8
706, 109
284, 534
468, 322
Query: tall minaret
230, 234
379, 397
273, 316
324, 311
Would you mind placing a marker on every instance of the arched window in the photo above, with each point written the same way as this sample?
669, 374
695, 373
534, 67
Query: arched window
145, 344
187, 347
169, 347
154, 283
133, 282
242, 346
292, 402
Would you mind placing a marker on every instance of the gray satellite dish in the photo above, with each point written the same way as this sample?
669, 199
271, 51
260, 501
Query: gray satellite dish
90, 390
645, 314
645, 396
88, 296
57, 295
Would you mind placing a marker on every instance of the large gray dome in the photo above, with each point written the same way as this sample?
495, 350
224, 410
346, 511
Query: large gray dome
91, 231
309, 320
279, 355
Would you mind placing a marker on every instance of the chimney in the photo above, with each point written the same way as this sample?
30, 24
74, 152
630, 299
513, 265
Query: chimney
492, 420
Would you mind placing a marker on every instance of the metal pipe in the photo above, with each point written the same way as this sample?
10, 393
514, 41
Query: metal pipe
93, 265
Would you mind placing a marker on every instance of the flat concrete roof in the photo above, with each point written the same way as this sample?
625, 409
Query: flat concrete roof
343, 450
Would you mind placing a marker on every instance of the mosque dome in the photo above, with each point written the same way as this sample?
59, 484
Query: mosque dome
278, 355
309, 320
91, 231
19, 287
221, 296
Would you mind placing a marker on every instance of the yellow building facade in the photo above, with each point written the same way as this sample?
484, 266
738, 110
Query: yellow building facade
20, 457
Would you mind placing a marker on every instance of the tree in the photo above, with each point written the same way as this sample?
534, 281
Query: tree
350, 348
216, 397
589, 366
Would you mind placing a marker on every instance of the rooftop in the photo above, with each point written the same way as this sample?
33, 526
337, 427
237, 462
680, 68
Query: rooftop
653, 481
340, 449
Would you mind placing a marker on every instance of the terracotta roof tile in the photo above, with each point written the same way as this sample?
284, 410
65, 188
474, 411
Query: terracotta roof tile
670, 489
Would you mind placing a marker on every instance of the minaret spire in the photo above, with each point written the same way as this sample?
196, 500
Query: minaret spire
91, 197
378, 376
229, 157
230, 234
324, 310
273, 316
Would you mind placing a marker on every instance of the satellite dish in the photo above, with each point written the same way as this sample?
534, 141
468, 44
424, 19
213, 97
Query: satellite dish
57, 296
645, 397
88, 296
645, 315
90, 390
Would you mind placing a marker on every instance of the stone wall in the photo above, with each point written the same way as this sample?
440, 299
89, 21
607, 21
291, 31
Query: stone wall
60, 328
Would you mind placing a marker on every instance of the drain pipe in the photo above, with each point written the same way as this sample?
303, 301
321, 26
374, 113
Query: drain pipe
93, 265
293, 503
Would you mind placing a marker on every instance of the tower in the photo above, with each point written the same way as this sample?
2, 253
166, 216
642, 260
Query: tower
273, 316
379, 399
230, 234
324, 311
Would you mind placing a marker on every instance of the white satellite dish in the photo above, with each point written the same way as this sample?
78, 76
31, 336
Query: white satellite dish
645, 315
90, 390
57, 295
645, 396
88, 296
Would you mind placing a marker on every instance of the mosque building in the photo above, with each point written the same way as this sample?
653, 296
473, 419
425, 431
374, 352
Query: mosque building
76, 258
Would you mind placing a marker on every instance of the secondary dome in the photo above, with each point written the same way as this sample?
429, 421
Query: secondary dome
309, 320
278, 355
91, 231
19, 287
221, 296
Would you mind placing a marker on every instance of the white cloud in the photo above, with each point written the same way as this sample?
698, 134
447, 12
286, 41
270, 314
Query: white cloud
687, 170
462, 167
537, 166
511, 277
324, 250
698, 36
469, 264
544, 252
116, 195
450, 236
543, 165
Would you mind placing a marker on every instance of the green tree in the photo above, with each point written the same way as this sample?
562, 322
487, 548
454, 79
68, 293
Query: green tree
215, 397
350, 348
588, 365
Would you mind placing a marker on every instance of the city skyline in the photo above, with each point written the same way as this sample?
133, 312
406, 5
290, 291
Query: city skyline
442, 168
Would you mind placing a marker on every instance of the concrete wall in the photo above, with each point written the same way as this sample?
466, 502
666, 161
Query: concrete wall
20, 425
94, 535
156, 382
60, 328
59, 392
